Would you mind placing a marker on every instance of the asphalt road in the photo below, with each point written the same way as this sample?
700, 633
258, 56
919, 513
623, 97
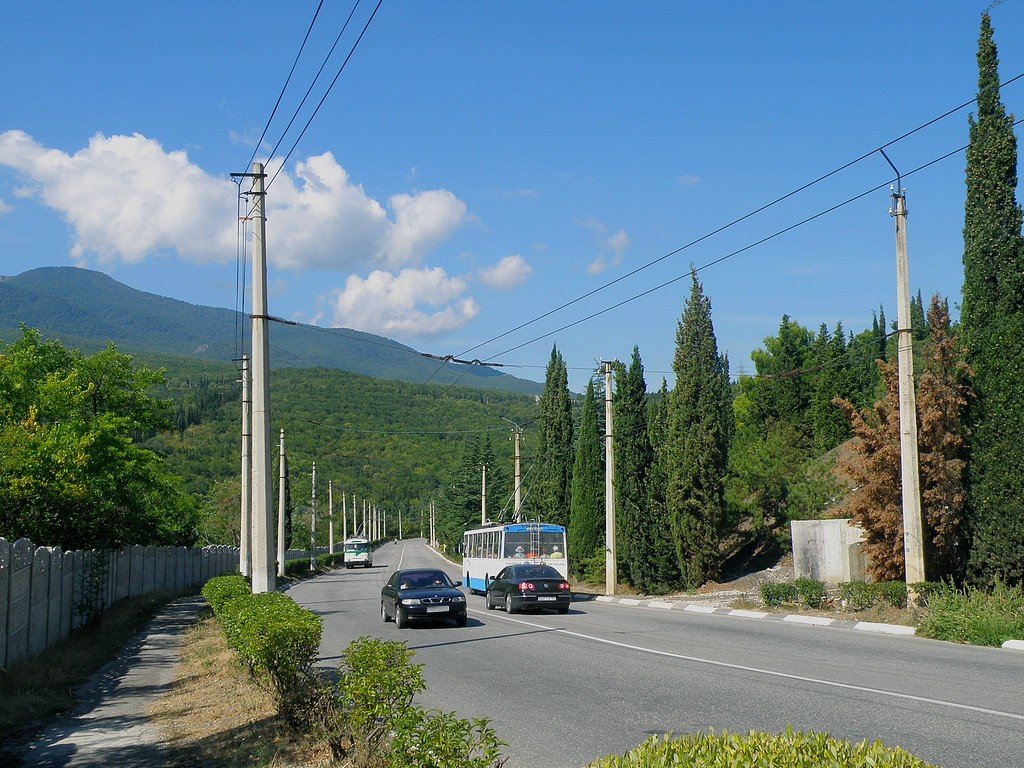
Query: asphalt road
564, 690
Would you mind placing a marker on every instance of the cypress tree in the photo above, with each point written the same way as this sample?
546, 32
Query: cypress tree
664, 572
699, 431
831, 427
633, 459
554, 456
992, 325
586, 507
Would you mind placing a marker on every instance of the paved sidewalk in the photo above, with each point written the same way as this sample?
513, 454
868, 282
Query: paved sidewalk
110, 727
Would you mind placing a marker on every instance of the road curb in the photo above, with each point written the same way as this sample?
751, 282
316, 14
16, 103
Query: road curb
793, 618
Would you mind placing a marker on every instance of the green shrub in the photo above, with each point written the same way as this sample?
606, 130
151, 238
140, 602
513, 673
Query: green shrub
778, 594
856, 595
892, 592
278, 640
925, 589
431, 739
220, 589
812, 592
975, 616
791, 749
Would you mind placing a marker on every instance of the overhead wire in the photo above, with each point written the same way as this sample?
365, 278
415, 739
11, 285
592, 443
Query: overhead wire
725, 257
722, 228
285, 86
327, 92
316, 77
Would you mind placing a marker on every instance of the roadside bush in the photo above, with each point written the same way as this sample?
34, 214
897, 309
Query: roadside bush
812, 593
371, 721
975, 616
435, 739
220, 589
778, 594
892, 592
791, 749
279, 641
856, 595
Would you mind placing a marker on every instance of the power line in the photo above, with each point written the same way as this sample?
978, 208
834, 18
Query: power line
727, 256
284, 87
720, 229
327, 93
313, 83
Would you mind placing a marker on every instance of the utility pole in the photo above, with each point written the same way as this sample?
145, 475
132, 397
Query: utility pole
245, 527
611, 575
432, 539
344, 517
399, 523
263, 572
281, 504
483, 496
330, 517
366, 531
913, 536
384, 524
312, 525
517, 505
355, 525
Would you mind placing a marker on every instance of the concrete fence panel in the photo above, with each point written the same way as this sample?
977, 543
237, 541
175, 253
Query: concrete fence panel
160, 570
40, 596
179, 569
135, 577
5, 584
54, 599
67, 591
149, 570
20, 591
124, 574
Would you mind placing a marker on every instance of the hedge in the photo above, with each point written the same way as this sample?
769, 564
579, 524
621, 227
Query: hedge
220, 589
756, 749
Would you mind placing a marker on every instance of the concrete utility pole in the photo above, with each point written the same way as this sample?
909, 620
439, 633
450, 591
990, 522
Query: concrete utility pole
312, 525
330, 517
245, 528
913, 536
384, 524
517, 515
355, 523
365, 530
281, 503
483, 496
432, 540
399, 523
263, 572
344, 517
611, 576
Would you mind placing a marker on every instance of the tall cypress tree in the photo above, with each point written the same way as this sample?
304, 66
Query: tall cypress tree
554, 457
664, 572
586, 506
992, 323
633, 459
700, 427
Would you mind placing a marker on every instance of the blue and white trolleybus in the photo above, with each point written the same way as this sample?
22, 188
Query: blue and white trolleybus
485, 551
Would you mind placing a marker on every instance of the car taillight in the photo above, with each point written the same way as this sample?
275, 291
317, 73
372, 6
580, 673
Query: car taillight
526, 586
564, 585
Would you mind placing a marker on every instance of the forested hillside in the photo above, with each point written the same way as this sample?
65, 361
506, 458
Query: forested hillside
393, 443
87, 309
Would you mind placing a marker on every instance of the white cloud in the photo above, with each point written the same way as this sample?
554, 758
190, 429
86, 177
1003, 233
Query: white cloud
4, 207
392, 305
612, 246
127, 198
508, 273
689, 180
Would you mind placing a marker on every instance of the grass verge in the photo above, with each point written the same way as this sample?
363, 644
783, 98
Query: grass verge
216, 715
43, 687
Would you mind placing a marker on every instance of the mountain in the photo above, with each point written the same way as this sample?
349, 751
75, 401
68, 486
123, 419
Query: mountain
87, 309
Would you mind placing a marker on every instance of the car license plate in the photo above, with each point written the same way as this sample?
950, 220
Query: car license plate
437, 609
545, 598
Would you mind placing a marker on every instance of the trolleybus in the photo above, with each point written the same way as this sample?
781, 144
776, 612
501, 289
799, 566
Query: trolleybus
485, 551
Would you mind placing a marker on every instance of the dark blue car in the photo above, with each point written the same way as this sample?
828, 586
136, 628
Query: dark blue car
422, 594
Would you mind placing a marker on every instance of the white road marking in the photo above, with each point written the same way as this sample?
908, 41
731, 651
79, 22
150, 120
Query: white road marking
749, 614
1016, 645
889, 629
629, 601
756, 670
659, 604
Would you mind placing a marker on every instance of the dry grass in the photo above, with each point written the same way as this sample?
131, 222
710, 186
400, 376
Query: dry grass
43, 687
216, 715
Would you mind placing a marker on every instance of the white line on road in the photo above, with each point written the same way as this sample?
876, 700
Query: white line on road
769, 672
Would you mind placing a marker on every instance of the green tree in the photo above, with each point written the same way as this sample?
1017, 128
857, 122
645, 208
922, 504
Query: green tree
830, 427
70, 472
554, 455
633, 460
586, 510
992, 325
662, 576
700, 427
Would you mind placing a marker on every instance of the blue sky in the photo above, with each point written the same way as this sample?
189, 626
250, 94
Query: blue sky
478, 164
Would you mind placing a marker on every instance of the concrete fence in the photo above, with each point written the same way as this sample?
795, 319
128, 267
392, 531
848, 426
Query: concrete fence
45, 592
